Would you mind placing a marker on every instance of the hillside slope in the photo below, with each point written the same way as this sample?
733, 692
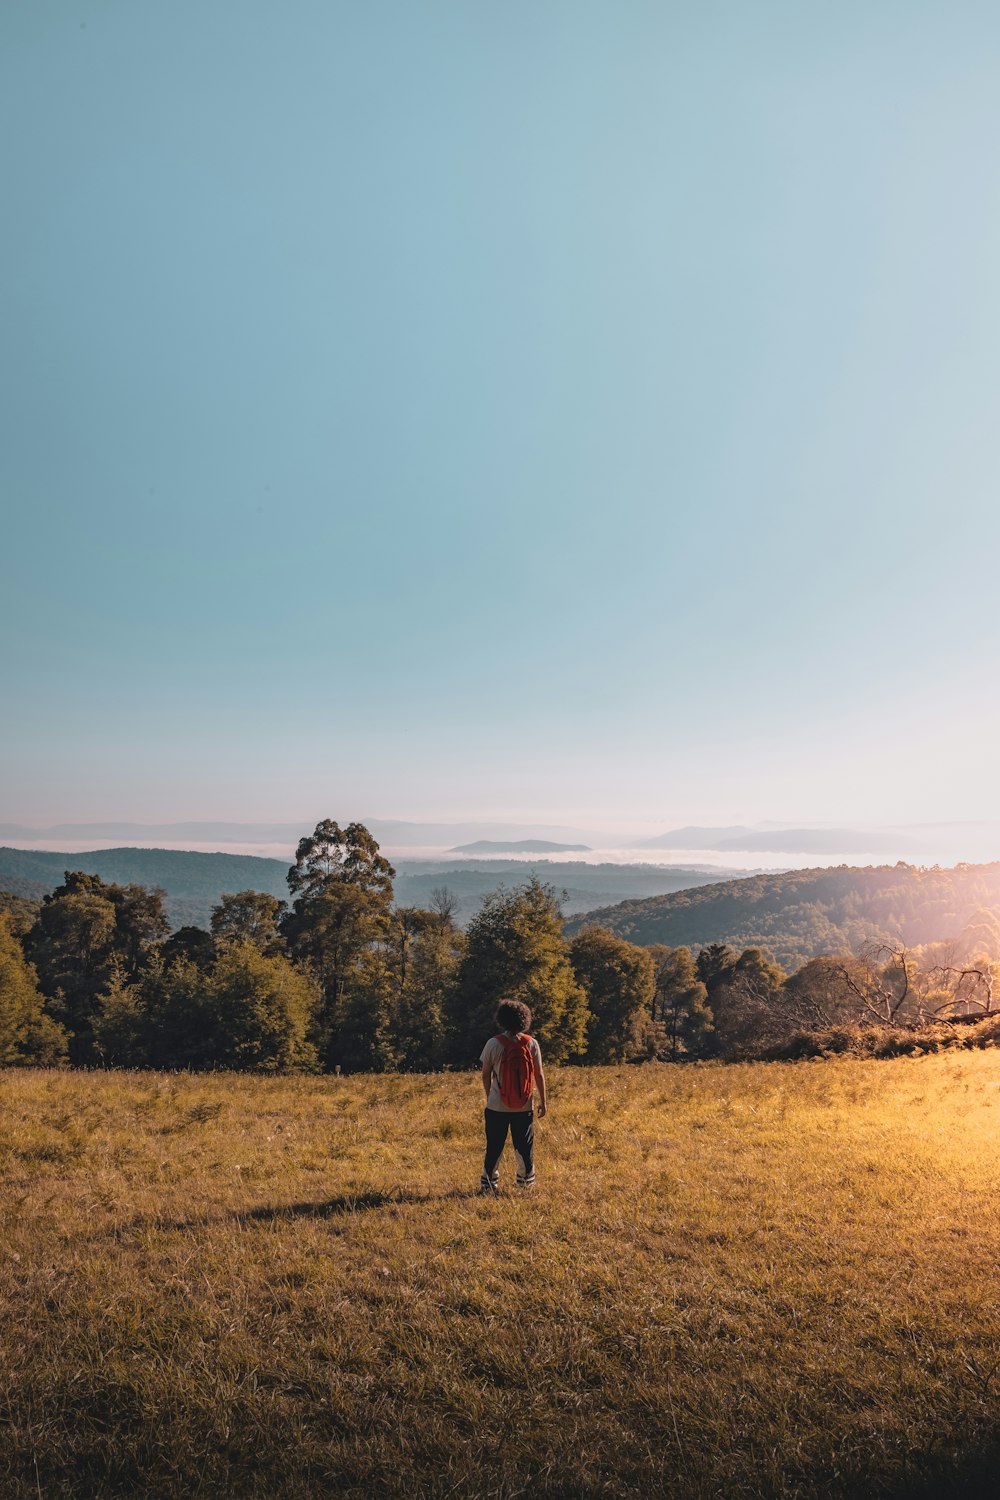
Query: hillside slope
800, 914
193, 882
581, 886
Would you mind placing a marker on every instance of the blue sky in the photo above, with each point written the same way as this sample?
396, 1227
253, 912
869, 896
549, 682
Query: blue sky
573, 411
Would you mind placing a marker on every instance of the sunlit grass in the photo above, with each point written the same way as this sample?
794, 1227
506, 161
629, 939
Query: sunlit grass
757, 1280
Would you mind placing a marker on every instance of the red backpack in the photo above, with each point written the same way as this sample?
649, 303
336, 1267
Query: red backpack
517, 1070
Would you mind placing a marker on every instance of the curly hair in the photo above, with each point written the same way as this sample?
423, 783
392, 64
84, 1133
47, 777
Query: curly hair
513, 1015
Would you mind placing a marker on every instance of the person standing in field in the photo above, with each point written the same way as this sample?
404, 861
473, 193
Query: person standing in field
512, 1070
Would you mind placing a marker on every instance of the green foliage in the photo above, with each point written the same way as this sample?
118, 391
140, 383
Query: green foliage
384, 988
681, 1003
27, 1034
249, 917
515, 949
618, 981
20, 911
83, 931
333, 930
755, 968
251, 1012
338, 923
121, 1024
745, 998
428, 949
262, 1011
193, 944
715, 964
72, 944
331, 853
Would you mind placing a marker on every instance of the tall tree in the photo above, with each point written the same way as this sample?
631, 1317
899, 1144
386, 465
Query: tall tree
121, 1027
747, 1005
83, 930
618, 980
27, 1034
444, 905
715, 964
331, 853
341, 913
140, 922
680, 1004
428, 950
515, 949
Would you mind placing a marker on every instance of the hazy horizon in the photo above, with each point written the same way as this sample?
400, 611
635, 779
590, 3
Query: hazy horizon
768, 847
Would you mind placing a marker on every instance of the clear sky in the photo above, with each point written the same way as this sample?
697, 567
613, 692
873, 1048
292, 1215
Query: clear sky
563, 410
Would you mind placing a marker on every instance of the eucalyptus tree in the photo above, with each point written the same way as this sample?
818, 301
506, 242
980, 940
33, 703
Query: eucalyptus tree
340, 920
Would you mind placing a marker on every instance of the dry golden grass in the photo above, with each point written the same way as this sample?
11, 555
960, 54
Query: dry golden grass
766, 1280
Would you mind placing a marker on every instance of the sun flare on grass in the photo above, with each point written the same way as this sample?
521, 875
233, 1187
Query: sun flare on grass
751, 1280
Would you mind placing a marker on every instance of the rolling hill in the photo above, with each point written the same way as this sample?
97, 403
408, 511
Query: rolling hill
194, 882
800, 914
581, 886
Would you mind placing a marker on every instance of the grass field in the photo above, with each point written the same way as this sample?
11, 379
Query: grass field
771, 1279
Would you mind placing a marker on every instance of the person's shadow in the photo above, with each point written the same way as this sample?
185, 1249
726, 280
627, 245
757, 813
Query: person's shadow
329, 1208
343, 1206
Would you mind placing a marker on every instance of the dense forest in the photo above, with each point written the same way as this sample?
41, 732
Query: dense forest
342, 976
801, 914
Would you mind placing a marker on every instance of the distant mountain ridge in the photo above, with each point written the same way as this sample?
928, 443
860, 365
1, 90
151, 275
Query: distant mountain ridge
800, 914
387, 830
771, 840
519, 846
694, 837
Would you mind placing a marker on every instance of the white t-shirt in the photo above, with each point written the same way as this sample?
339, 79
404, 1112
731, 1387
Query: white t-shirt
492, 1053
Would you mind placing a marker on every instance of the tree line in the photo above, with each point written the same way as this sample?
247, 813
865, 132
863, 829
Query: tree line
340, 977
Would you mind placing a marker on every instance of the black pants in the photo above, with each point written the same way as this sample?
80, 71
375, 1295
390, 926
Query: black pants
522, 1134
